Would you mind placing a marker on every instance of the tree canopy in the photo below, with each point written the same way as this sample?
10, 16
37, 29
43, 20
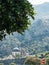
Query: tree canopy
14, 16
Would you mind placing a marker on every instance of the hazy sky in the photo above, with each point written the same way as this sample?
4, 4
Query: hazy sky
38, 1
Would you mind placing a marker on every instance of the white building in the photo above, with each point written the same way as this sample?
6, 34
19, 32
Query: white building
21, 52
16, 52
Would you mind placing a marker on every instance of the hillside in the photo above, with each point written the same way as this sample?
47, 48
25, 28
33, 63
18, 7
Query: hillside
34, 40
37, 38
42, 10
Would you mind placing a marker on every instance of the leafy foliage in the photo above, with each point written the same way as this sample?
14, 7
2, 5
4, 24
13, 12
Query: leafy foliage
12, 63
14, 16
32, 61
1, 63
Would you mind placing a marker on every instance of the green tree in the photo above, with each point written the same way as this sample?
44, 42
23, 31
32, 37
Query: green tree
14, 16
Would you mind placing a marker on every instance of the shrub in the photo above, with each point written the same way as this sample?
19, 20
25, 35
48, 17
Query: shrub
12, 63
1, 63
47, 62
32, 61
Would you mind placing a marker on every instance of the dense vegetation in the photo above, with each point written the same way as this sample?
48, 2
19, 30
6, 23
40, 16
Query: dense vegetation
36, 60
35, 40
14, 16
